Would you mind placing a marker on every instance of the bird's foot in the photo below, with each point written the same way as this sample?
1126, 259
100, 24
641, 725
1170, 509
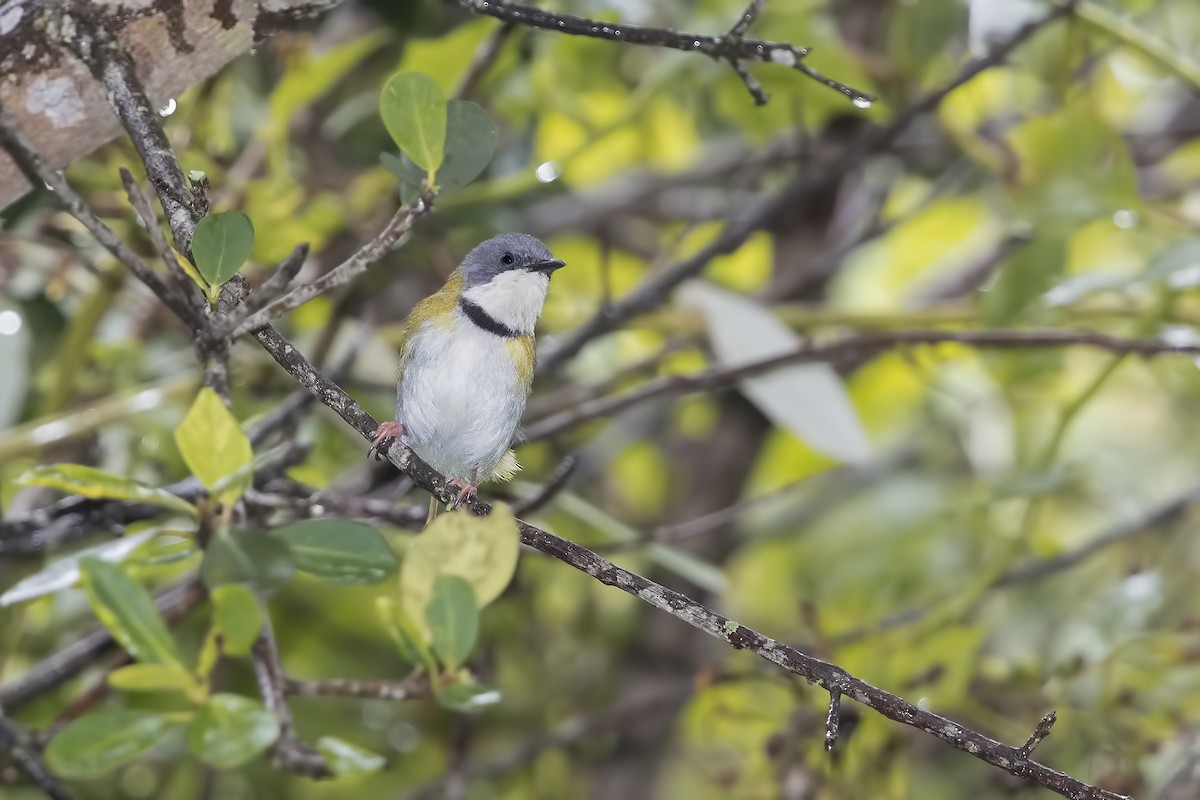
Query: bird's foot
386, 434
465, 491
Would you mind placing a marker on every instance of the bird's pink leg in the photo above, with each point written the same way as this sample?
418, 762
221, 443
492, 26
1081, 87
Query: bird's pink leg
465, 490
385, 435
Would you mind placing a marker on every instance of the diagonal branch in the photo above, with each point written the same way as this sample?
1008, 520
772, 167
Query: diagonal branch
35, 168
400, 224
828, 676
15, 742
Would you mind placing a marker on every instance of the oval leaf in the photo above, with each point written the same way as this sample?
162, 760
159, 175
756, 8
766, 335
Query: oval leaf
127, 610
91, 482
405, 635
338, 550
231, 730
453, 619
467, 696
65, 572
153, 678
237, 618
807, 399
215, 448
344, 758
221, 244
256, 560
99, 741
413, 109
470, 144
481, 550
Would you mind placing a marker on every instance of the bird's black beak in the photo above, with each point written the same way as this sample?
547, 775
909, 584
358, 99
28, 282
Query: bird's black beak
549, 266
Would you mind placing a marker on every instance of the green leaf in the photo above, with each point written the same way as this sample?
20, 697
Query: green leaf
65, 572
453, 619
344, 758
339, 550
481, 550
413, 109
405, 635
97, 742
257, 560
153, 678
237, 618
409, 175
221, 244
91, 482
470, 145
127, 610
467, 696
231, 730
215, 448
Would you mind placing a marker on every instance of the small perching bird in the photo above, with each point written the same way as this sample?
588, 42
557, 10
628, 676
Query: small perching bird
467, 359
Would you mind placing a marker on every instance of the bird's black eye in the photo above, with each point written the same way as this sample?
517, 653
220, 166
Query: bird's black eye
507, 259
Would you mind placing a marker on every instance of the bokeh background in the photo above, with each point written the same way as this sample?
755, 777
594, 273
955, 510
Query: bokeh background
1021, 537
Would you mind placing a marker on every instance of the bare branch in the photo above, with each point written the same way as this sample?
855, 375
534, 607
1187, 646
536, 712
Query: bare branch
285, 272
288, 752
400, 224
855, 346
15, 742
483, 59
35, 168
747, 18
731, 47
1039, 733
833, 719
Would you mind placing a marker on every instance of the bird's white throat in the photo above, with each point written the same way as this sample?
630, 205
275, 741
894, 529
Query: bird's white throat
513, 298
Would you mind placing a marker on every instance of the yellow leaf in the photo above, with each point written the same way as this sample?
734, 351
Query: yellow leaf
215, 448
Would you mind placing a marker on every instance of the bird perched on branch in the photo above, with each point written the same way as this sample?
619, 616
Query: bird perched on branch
466, 362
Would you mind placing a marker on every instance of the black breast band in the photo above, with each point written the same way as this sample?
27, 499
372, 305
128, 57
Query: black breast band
484, 320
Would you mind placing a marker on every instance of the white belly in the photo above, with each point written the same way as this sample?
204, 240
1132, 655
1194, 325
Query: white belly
459, 399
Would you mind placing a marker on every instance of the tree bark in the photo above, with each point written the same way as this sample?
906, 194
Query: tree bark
174, 43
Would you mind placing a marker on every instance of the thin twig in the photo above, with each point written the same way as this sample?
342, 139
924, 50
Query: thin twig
285, 272
552, 486
15, 742
288, 752
35, 168
833, 719
142, 206
1039, 733
853, 346
400, 224
731, 47
485, 55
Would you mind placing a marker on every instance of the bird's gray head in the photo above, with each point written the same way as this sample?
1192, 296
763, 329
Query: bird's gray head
504, 253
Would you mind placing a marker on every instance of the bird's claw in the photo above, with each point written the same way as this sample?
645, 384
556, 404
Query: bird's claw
385, 435
465, 491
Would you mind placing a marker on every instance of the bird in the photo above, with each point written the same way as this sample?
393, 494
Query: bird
466, 363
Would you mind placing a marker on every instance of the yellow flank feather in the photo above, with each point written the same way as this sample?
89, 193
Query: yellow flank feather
506, 469
437, 308
522, 351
